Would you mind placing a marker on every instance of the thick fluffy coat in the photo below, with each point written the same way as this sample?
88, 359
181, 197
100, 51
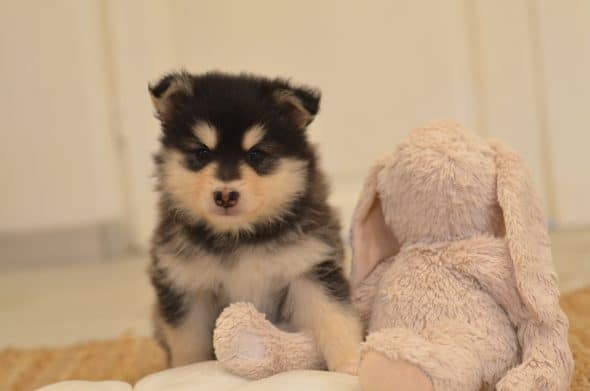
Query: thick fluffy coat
243, 216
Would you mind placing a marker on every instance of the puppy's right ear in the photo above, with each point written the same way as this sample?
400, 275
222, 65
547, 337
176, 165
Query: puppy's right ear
168, 92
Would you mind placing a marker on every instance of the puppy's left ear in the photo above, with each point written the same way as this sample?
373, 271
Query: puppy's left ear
299, 105
168, 92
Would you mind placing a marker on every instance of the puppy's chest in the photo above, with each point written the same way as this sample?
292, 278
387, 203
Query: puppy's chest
258, 278
256, 274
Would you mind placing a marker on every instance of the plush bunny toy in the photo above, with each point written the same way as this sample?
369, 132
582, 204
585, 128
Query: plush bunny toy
452, 276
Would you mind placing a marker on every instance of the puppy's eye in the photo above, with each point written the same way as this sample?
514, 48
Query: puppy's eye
255, 156
203, 154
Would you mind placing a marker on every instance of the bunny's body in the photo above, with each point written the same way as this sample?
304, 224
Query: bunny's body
452, 276
431, 285
430, 303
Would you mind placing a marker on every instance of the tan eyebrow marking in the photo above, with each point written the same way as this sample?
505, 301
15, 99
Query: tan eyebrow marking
253, 136
206, 133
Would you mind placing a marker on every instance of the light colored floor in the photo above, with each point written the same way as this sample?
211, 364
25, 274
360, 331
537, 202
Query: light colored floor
50, 306
61, 304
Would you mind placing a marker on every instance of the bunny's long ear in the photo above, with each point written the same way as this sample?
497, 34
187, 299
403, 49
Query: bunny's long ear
372, 239
526, 235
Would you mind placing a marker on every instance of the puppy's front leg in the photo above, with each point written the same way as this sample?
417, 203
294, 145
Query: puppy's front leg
188, 336
320, 303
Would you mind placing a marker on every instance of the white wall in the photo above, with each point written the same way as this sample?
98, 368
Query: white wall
563, 45
74, 77
141, 50
505, 64
57, 161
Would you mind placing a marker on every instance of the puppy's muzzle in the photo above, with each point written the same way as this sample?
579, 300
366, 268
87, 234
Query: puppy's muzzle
226, 198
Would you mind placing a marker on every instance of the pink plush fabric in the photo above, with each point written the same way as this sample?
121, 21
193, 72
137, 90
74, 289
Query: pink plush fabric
452, 270
248, 345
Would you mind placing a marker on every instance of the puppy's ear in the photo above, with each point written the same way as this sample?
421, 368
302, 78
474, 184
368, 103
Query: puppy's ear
168, 93
299, 105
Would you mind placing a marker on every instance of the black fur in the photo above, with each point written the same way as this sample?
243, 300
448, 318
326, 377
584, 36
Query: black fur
305, 216
171, 302
331, 276
158, 90
232, 104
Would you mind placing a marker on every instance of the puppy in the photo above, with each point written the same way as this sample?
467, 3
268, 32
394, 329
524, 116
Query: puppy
243, 216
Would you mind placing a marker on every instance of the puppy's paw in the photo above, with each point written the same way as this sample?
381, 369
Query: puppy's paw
350, 365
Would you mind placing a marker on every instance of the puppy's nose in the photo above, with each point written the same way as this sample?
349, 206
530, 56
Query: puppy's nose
226, 198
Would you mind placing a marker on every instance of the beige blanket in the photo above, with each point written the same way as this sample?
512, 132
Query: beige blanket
130, 358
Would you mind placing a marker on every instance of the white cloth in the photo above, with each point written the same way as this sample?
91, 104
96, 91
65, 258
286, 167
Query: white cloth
79, 385
209, 376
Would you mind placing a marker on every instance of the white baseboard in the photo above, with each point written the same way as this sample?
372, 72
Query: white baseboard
76, 244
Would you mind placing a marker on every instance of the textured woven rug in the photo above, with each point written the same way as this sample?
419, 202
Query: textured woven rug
577, 307
127, 358
130, 358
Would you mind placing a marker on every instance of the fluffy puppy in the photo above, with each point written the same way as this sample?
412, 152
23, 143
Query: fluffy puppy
243, 216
